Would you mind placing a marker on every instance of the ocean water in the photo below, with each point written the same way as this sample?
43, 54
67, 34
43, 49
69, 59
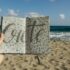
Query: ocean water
61, 32
60, 28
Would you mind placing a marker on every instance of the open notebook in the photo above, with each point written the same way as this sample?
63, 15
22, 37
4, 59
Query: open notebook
25, 35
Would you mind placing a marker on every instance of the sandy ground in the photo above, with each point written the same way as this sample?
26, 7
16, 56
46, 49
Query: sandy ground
57, 59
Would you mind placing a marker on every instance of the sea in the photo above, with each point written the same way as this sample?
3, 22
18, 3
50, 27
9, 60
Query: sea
60, 32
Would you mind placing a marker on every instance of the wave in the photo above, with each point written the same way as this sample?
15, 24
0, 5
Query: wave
59, 34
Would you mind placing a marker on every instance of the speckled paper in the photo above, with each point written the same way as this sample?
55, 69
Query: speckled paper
14, 29
38, 35
25, 35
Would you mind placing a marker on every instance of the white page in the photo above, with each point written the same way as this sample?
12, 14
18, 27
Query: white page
14, 29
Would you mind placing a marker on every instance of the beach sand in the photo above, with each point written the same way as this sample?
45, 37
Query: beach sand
57, 59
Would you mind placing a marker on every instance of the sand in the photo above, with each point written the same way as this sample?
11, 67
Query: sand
57, 59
